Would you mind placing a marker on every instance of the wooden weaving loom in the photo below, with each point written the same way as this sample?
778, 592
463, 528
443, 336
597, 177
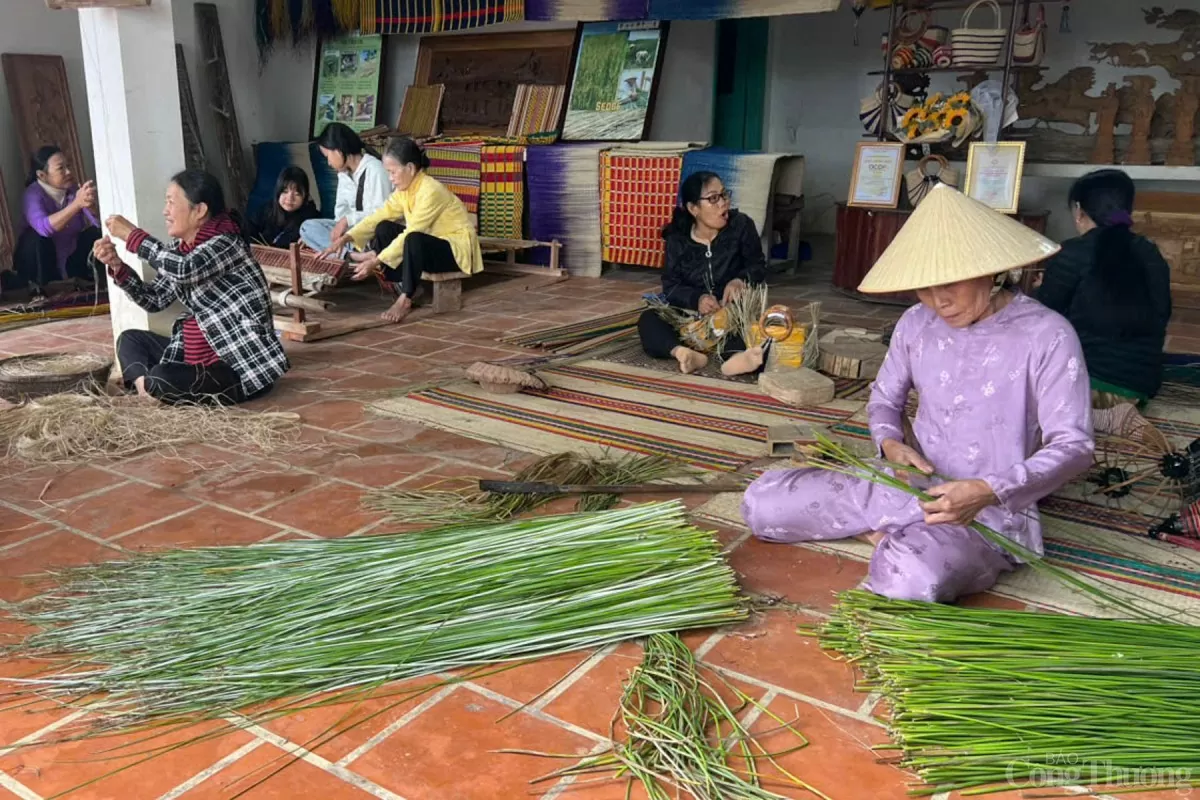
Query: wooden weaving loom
303, 274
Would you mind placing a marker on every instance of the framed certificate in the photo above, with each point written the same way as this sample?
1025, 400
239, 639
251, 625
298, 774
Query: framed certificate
875, 182
994, 174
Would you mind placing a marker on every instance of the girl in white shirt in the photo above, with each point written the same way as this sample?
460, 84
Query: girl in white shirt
363, 186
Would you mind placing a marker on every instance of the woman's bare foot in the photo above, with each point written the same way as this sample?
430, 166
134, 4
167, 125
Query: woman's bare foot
399, 309
359, 258
743, 362
689, 360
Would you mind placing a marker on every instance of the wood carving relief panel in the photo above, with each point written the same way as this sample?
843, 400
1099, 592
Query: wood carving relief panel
481, 73
41, 106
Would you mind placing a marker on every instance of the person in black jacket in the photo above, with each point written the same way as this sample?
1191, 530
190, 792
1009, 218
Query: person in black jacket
1114, 286
713, 252
278, 225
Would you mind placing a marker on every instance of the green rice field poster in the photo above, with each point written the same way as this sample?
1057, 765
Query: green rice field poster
612, 86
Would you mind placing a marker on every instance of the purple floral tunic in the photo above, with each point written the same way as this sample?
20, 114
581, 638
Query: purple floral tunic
1006, 400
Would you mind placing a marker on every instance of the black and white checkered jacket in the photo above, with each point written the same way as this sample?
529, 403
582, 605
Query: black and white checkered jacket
221, 284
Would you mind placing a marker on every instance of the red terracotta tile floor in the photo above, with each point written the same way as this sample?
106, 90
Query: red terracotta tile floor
443, 745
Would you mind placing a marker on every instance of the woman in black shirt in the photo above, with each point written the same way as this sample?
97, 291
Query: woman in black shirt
1115, 288
713, 252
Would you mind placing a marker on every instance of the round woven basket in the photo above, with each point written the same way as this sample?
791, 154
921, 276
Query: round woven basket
26, 377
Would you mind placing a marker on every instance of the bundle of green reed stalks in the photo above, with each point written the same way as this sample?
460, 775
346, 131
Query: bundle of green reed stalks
829, 455
183, 635
986, 701
450, 507
678, 734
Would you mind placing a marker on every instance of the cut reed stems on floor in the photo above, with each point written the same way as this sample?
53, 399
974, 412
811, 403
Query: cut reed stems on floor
986, 701
187, 635
447, 507
673, 732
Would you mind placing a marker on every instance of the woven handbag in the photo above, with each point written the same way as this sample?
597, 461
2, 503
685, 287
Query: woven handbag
1029, 43
978, 47
930, 171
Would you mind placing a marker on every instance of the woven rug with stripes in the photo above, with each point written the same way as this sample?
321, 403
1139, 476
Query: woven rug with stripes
536, 109
502, 192
458, 166
597, 407
419, 112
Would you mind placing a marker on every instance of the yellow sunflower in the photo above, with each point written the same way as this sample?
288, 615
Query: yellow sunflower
909, 117
955, 118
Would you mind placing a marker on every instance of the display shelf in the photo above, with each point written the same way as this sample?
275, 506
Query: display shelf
1137, 172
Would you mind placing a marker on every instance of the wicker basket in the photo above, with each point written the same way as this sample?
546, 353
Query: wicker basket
28, 377
978, 47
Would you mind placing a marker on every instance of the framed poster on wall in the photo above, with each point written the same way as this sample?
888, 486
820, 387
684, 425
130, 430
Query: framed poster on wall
346, 85
614, 81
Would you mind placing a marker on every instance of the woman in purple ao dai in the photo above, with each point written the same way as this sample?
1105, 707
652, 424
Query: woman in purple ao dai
1004, 414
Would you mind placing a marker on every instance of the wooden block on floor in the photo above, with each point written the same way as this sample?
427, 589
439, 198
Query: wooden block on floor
786, 440
447, 290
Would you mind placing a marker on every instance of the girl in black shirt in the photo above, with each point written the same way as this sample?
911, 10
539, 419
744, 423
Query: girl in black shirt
278, 225
712, 252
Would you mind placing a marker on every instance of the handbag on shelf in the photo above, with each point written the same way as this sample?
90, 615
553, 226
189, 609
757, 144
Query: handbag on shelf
930, 171
1029, 42
943, 56
878, 116
978, 47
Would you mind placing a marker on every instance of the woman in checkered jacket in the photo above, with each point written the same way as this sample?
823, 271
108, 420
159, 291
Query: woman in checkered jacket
223, 348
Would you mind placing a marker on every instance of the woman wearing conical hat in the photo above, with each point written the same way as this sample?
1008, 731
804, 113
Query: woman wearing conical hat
1004, 417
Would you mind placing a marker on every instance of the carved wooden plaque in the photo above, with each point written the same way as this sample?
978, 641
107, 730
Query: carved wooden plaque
41, 106
1172, 220
482, 71
8, 244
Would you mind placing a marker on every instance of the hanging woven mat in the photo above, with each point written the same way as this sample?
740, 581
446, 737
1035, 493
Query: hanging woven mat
25, 377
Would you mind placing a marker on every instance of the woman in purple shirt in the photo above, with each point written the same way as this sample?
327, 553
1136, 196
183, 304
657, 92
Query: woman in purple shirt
1004, 415
62, 222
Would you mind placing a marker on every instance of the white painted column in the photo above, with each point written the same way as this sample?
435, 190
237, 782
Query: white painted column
137, 131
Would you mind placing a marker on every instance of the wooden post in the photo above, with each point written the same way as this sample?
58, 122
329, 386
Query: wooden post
554, 248
294, 252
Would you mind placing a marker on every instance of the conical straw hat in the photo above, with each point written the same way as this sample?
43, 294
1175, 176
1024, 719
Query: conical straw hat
951, 238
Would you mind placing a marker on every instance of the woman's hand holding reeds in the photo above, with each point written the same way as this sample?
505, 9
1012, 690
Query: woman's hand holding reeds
708, 304
119, 227
732, 289
958, 502
366, 269
105, 252
900, 453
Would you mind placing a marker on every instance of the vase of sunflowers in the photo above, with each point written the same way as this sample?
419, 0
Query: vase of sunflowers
940, 119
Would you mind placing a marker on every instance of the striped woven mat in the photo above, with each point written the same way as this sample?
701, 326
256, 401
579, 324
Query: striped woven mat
564, 192
502, 192
596, 407
536, 109
458, 167
432, 16
419, 112
637, 199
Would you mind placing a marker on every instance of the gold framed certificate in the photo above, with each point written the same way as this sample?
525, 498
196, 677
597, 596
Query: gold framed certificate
994, 174
878, 170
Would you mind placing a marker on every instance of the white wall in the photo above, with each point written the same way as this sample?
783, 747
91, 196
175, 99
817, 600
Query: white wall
819, 80
27, 26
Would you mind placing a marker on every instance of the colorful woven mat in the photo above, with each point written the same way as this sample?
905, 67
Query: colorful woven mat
419, 114
572, 10
637, 199
730, 9
432, 16
458, 167
564, 192
536, 109
502, 191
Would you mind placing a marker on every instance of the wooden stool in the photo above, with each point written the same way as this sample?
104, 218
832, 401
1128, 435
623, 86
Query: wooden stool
447, 290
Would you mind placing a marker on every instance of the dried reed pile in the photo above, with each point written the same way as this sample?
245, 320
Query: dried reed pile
82, 428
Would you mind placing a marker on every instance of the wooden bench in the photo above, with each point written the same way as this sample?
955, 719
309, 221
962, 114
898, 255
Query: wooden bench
510, 248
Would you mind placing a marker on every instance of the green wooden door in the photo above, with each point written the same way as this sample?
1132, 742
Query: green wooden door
741, 83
